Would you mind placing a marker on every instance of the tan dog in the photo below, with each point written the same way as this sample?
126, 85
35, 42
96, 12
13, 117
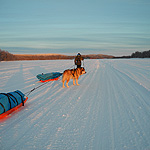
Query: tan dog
72, 74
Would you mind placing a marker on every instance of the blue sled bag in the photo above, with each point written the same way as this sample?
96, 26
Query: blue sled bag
10, 100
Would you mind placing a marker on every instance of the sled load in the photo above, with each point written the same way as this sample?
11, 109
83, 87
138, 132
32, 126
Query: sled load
49, 76
10, 102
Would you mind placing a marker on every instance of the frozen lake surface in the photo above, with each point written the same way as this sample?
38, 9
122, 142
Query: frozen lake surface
109, 110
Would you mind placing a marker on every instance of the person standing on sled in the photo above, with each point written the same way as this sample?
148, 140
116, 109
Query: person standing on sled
78, 60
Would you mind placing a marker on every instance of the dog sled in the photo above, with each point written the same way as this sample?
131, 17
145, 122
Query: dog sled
49, 76
10, 102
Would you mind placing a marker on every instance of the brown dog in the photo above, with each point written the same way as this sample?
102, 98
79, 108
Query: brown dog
72, 74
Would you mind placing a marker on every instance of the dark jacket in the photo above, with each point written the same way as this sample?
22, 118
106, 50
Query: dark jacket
78, 59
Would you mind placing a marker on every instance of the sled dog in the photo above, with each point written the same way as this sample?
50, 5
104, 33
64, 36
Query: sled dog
72, 74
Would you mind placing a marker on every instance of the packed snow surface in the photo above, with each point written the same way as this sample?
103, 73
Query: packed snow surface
109, 110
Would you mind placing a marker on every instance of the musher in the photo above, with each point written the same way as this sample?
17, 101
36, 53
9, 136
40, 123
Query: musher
78, 60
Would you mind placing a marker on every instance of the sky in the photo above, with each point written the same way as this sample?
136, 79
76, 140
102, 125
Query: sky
113, 27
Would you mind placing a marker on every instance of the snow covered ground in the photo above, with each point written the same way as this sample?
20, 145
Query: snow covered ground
109, 110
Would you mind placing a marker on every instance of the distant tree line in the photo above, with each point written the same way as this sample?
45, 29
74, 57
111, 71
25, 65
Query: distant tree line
144, 54
42, 57
5, 56
59, 57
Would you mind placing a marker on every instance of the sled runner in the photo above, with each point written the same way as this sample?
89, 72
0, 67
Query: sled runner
10, 102
49, 76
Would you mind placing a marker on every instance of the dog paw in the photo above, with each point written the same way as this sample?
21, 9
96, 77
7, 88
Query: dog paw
63, 86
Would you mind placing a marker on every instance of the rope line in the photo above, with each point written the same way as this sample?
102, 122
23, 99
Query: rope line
29, 92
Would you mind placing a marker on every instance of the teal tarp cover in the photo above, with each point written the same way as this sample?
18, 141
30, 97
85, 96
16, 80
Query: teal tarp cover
10, 100
48, 76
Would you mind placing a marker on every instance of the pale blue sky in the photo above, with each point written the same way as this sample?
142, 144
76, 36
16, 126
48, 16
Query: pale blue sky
116, 27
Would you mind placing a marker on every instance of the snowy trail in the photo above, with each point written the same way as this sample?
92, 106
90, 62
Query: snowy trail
109, 110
